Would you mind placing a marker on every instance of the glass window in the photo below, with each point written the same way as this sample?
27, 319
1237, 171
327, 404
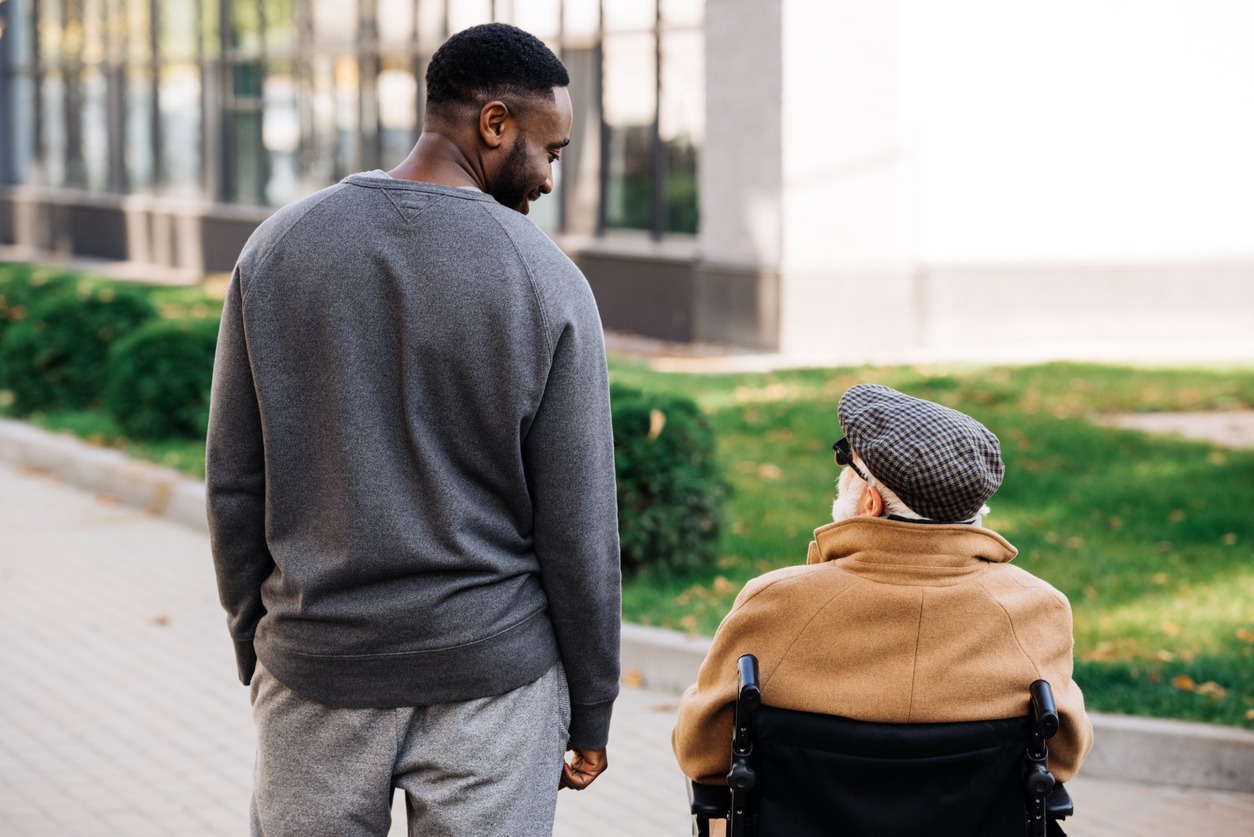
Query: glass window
431, 23
18, 31
398, 110
52, 44
138, 30
629, 89
246, 34
463, 14
333, 151
137, 149
247, 183
681, 126
178, 109
347, 135
280, 133
630, 15
542, 18
581, 18
682, 12
334, 22
94, 136
92, 27
53, 135
396, 21
176, 23
280, 26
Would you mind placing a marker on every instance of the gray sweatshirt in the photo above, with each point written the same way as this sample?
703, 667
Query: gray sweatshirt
410, 464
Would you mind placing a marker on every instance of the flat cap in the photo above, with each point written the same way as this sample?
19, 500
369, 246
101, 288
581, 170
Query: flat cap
943, 464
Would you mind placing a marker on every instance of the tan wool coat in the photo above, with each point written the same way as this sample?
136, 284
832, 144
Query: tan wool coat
893, 622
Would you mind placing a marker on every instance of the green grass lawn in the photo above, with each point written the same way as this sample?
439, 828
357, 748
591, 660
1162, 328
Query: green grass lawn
1150, 537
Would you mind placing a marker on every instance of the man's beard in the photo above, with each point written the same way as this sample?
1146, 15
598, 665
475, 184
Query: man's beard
510, 188
849, 491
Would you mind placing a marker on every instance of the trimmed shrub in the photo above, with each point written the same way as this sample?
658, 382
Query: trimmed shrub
159, 377
22, 287
54, 357
670, 491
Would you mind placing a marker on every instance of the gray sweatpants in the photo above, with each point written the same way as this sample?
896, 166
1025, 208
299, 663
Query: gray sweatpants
480, 767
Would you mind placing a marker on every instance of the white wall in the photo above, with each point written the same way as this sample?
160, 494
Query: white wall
1088, 131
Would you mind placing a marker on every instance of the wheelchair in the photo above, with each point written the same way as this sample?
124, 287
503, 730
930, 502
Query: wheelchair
801, 774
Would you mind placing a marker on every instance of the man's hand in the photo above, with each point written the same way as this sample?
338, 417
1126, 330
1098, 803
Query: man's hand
584, 766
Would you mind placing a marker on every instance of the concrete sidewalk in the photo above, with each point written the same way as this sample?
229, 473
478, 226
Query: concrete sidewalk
120, 713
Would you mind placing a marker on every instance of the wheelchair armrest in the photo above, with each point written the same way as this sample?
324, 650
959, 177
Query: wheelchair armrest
1059, 805
712, 801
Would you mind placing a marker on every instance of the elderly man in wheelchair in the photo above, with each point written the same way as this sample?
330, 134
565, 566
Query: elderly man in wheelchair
907, 680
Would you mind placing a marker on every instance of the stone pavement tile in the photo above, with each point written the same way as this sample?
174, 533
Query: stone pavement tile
1110, 808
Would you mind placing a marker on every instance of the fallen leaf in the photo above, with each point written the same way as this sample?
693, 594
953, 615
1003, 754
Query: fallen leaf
657, 420
1245, 635
767, 471
1171, 629
1183, 682
633, 679
723, 586
1229, 539
161, 620
1211, 689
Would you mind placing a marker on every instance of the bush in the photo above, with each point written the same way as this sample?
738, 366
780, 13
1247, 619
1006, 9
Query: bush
670, 491
159, 377
22, 287
54, 357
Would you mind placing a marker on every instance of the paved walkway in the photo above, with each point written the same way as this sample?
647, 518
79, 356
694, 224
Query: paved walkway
120, 713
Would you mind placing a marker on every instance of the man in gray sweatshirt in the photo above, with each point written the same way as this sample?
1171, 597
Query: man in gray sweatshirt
410, 475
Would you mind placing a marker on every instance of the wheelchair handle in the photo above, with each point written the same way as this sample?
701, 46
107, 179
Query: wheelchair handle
1044, 711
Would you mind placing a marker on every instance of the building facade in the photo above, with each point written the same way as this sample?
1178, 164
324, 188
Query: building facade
836, 179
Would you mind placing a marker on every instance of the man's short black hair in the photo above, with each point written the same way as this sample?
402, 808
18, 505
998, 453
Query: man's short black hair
486, 62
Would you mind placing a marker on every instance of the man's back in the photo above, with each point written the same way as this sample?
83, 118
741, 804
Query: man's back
400, 338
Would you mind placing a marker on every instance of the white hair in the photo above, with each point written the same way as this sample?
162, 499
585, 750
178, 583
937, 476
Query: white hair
892, 503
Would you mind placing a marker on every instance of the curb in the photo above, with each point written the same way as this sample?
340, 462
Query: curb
159, 491
1149, 750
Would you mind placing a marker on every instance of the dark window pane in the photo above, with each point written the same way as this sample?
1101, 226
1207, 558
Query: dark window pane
22, 105
681, 124
248, 181
629, 86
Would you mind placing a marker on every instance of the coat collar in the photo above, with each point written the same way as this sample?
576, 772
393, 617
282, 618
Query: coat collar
875, 546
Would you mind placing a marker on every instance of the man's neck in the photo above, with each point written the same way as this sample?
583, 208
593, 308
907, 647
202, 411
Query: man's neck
437, 159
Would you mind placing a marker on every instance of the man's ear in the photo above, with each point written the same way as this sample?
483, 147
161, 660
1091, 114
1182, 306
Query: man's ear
872, 503
494, 123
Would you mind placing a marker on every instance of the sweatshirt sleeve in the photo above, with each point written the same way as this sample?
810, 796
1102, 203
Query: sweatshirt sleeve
568, 454
235, 483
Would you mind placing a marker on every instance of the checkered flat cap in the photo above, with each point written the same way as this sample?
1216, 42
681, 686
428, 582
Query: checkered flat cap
943, 464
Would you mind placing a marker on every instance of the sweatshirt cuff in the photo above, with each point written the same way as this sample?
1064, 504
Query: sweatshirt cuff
245, 660
590, 725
